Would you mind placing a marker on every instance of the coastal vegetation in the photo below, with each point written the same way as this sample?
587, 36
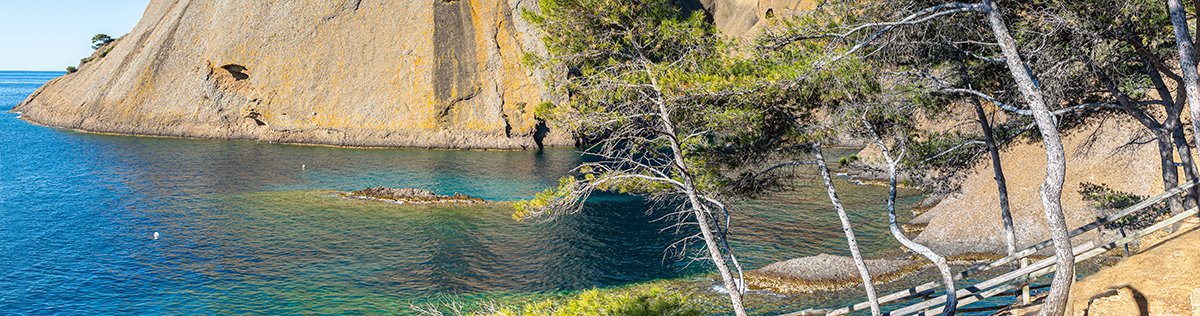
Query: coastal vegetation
645, 300
100, 40
695, 119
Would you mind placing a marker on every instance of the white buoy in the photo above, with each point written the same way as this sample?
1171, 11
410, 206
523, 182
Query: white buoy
155, 235
302, 167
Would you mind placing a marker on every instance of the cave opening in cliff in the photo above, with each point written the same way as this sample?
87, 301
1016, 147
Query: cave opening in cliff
237, 71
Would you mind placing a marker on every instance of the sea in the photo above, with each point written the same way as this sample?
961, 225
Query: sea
95, 224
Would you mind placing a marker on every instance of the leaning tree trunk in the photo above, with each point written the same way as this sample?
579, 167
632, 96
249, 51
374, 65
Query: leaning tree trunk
732, 286
1187, 60
1162, 131
1173, 125
734, 289
1010, 236
939, 261
1056, 168
837, 204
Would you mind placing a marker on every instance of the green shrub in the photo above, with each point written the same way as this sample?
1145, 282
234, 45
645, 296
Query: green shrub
1104, 197
638, 301
71, 69
847, 160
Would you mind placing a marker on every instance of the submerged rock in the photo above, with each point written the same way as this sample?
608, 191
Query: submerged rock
412, 196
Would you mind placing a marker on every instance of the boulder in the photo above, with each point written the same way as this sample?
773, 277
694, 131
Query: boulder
823, 272
1118, 302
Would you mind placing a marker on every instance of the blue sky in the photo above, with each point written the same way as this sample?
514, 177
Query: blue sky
54, 34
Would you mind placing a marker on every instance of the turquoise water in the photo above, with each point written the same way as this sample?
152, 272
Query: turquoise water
254, 228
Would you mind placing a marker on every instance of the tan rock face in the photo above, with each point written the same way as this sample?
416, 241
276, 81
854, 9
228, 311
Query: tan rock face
746, 18
969, 221
433, 73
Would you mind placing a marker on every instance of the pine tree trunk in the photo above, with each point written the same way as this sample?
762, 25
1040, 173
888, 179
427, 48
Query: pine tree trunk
1170, 173
1051, 190
1192, 198
1187, 60
734, 289
710, 241
1010, 236
947, 276
837, 204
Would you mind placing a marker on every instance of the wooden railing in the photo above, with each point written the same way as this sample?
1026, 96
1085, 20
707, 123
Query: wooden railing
1013, 279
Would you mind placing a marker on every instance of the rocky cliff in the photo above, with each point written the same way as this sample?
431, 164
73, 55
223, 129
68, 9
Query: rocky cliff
433, 73
425, 74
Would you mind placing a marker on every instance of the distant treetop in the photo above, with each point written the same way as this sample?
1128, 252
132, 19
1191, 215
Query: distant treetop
100, 40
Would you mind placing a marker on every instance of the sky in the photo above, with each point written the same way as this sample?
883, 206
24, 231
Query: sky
54, 34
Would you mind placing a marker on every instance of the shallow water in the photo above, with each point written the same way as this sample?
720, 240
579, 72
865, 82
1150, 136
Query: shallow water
251, 227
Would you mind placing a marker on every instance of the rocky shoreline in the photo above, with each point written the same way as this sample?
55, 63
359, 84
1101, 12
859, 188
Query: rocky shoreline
411, 196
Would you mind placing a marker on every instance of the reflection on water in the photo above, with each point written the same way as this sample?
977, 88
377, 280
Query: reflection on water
251, 228
296, 241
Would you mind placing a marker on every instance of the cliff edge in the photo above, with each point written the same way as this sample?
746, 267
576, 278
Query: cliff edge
424, 74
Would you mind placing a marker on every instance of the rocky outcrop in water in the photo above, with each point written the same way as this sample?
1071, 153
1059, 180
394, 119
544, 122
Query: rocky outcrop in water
823, 272
423, 74
413, 196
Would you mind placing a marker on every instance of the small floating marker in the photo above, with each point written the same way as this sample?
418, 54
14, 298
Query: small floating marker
302, 167
155, 235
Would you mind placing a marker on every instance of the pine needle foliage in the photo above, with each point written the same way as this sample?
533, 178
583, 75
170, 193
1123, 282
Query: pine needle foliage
677, 112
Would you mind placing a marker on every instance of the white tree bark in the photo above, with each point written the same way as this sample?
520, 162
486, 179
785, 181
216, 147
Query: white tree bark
1187, 60
837, 204
698, 210
1051, 190
939, 261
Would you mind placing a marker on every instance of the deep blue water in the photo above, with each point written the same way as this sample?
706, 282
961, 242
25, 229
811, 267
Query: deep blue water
251, 227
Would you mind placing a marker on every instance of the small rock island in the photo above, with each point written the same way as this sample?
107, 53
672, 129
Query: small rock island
412, 196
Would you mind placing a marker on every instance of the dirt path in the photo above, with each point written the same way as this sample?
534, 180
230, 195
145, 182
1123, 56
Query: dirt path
1163, 278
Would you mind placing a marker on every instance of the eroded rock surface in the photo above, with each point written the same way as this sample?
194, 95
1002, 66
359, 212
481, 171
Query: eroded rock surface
441, 74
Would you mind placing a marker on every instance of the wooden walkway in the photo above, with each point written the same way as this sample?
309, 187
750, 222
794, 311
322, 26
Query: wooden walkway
932, 305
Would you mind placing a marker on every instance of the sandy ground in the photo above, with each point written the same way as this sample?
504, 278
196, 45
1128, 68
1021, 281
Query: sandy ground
1162, 278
